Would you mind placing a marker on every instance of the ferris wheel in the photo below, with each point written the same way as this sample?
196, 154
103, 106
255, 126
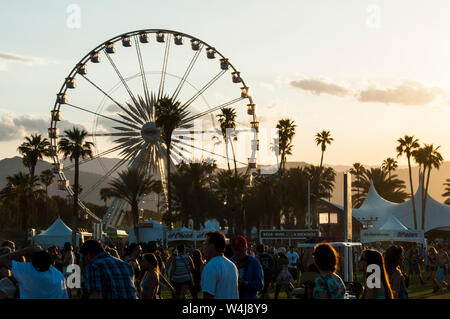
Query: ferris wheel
115, 102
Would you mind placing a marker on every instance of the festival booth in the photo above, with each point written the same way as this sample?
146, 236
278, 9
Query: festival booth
187, 234
57, 234
377, 212
149, 230
392, 231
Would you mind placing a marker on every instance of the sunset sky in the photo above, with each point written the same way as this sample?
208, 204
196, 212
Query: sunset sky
368, 71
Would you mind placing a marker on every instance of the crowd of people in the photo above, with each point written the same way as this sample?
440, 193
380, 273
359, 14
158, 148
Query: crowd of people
218, 270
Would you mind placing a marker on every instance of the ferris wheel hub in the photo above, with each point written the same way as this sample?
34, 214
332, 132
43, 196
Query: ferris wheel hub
150, 132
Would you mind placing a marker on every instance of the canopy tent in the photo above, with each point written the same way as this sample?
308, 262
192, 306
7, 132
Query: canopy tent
379, 211
392, 230
149, 230
57, 234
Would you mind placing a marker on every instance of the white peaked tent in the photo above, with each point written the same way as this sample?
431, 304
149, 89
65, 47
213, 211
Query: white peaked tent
149, 230
392, 230
57, 234
393, 224
437, 215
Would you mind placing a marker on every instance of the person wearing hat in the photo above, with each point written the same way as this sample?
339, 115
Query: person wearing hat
251, 277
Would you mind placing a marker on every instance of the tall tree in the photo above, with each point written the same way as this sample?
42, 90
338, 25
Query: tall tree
33, 149
46, 178
389, 165
169, 116
434, 159
227, 120
447, 191
357, 170
105, 194
193, 198
408, 145
230, 190
131, 185
21, 193
75, 147
323, 138
391, 189
286, 132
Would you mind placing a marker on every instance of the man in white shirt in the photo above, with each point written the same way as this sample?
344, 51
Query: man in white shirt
220, 275
37, 279
293, 260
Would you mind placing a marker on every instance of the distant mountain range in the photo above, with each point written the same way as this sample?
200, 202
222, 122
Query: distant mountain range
93, 171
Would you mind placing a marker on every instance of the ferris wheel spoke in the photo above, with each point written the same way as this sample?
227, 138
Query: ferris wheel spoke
204, 88
87, 160
141, 67
101, 90
216, 108
199, 148
120, 76
103, 178
164, 68
127, 134
104, 116
186, 73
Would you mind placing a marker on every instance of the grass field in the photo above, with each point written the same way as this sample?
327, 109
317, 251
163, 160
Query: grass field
415, 290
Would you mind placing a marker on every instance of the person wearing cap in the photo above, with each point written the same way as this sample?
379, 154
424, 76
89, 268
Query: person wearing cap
251, 277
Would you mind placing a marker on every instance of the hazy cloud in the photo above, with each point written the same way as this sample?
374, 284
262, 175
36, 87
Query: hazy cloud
7, 58
319, 86
406, 93
14, 127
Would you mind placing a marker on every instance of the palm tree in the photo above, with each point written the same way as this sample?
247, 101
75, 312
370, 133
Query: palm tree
286, 132
391, 189
447, 191
105, 194
357, 170
389, 165
193, 198
323, 138
131, 185
408, 145
227, 120
169, 116
434, 160
230, 189
75, 147
20, 191
33, 149
46, 178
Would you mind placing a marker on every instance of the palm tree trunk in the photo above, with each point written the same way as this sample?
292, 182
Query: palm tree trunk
169, 193
75, 203
412, 193
234, 159
321, 161
135, 214
425, 197
226, 153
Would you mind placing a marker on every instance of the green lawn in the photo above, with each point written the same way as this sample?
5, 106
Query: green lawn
415, 290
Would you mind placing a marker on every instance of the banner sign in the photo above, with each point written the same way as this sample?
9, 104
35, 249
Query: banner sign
368, 236
288, 233
186, 235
